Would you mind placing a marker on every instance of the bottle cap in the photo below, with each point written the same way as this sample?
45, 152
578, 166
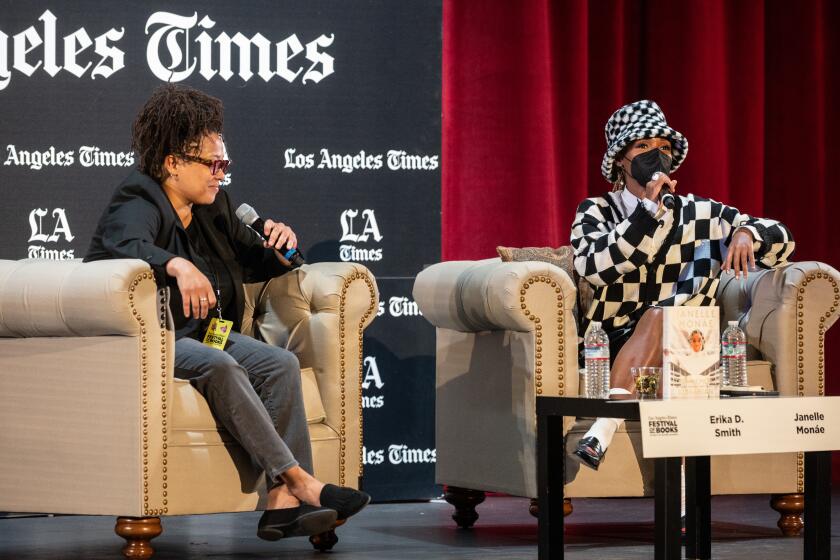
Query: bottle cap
596, 325
733, 323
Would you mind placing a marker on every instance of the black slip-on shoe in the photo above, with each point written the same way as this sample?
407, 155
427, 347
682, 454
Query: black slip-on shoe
302, 521
590, 452
345, 501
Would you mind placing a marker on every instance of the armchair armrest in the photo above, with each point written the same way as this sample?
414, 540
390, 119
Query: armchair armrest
71, 298
488, 295
84, 412
535, 298
786, 312
505, 334
319, 312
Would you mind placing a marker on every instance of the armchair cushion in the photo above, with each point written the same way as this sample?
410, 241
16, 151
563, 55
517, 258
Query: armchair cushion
312, 403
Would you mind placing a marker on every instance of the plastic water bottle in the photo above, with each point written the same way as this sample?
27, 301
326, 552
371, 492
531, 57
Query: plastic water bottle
597, 357
733, 355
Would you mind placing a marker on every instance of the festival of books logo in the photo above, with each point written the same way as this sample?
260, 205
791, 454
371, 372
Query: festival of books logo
663, 426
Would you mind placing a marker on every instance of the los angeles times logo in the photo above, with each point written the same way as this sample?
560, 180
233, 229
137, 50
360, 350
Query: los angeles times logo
356, 229
49, 230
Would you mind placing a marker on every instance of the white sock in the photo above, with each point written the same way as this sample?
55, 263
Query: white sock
604, 428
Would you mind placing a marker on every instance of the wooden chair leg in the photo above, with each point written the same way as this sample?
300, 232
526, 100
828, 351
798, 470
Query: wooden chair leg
138, 533
534, 508
326, 541
465, 501
790, 507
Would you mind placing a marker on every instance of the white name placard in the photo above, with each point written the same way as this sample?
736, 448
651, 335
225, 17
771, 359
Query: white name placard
739, 426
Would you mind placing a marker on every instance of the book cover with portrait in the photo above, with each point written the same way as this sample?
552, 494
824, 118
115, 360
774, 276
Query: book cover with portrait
691, 352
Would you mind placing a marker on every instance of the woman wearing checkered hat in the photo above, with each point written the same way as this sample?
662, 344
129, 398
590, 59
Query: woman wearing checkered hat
643, 247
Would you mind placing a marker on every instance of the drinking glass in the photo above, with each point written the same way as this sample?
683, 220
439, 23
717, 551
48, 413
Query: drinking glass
648, 381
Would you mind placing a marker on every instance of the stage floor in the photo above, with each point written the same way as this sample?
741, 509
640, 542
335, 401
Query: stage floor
743, 526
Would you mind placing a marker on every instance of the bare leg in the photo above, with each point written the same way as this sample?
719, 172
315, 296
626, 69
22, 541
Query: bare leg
643, 348
279, 497
300, 486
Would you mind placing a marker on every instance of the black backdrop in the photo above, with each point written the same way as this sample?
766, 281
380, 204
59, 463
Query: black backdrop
333, 124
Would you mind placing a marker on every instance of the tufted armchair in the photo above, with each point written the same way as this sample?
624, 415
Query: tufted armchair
507, 332
93, 421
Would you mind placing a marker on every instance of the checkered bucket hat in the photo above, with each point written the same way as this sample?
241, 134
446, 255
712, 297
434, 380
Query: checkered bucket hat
636, 121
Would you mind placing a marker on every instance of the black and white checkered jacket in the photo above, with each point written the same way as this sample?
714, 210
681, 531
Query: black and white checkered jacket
636, 261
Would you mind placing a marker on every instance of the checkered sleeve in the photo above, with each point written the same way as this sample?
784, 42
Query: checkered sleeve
773, 240
605, 251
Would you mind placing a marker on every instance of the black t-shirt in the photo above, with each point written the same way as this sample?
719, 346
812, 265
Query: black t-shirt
209, 263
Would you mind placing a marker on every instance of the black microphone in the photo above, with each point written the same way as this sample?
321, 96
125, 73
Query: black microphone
666, 196
248, 216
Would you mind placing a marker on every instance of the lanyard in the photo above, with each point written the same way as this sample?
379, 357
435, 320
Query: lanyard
217, 286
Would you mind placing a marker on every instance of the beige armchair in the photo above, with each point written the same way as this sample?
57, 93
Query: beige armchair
92, 420
506, 332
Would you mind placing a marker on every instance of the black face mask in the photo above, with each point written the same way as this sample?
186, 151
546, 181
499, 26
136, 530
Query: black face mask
644, 165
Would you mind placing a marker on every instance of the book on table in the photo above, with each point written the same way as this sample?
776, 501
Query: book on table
691, 352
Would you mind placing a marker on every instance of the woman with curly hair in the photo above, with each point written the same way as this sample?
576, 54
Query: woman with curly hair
171, 213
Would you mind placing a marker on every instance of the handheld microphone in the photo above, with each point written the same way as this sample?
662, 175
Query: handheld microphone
248, 216
667, 197
665, 194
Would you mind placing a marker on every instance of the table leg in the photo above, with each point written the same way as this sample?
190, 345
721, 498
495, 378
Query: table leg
667, 509
551, 467
698, 512
817, 505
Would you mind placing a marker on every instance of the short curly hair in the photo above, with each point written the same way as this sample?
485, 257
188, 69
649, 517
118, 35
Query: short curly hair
173, 121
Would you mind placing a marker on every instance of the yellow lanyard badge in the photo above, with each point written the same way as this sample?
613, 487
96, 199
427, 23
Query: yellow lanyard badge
219, 330
218, 333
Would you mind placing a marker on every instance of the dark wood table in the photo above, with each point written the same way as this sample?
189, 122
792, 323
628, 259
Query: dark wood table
551, 474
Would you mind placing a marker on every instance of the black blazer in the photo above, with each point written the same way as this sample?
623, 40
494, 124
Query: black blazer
140, 223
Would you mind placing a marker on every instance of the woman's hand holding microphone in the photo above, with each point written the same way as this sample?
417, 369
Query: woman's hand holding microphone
654, 187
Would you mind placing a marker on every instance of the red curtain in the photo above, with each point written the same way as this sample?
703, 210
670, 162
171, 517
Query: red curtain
529, 84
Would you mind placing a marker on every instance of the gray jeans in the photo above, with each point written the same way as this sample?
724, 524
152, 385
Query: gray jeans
254, 391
